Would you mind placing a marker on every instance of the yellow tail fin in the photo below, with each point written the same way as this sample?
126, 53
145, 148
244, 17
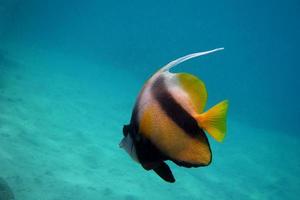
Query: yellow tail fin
214, 120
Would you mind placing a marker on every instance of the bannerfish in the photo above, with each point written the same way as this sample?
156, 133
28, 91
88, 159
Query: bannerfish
168, 122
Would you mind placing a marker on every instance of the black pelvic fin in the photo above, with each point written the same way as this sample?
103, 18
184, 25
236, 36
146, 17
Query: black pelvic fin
164, 171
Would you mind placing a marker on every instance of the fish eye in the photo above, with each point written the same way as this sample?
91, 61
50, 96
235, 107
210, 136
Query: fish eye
125, 130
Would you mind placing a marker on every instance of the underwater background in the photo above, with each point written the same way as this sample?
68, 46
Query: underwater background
70, 72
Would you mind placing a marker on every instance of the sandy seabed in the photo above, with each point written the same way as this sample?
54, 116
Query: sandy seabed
60, 126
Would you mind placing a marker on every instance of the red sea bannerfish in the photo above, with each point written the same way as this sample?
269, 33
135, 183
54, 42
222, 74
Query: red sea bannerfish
168, 122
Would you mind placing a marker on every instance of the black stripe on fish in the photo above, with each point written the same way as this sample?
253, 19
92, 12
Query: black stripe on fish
173, 109
148, 154
180, 116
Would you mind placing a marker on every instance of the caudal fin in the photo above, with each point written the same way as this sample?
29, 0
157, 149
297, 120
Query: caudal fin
214, 120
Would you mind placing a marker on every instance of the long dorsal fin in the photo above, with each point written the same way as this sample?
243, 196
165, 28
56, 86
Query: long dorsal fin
185, 58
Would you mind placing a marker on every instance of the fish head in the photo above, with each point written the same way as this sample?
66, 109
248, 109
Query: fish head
127, 143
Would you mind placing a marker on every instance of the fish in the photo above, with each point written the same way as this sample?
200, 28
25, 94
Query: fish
168, 122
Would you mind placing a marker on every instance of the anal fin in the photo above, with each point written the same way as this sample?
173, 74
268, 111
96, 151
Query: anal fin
164, 171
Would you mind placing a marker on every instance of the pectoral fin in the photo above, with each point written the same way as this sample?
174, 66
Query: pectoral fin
164, 171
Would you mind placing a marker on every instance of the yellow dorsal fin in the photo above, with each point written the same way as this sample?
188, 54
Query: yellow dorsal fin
195, 88
214, 120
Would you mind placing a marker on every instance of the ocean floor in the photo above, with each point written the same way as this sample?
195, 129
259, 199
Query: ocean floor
61, 122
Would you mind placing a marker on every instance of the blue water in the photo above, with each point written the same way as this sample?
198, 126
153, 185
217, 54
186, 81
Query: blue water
70, 72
